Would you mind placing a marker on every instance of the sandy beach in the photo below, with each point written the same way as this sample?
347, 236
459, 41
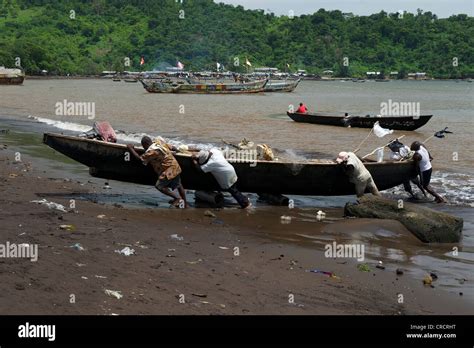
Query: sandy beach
215, 265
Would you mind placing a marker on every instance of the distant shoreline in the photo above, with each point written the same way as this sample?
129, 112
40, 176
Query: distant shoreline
86, 77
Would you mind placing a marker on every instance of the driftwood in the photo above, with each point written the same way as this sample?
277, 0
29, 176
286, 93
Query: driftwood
428, 225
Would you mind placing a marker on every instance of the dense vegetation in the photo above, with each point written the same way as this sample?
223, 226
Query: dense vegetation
45, 36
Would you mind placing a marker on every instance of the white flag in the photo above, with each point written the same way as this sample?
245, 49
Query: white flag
381, 132
218, 66
247, 62
180, 65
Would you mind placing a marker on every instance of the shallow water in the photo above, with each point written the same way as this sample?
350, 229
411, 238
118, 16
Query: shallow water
261, 118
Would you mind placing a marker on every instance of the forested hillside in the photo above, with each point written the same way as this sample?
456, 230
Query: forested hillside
85, 37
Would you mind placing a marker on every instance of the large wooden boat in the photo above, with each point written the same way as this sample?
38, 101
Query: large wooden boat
281, 85
318, 178
159, 86
11, 76
408, 123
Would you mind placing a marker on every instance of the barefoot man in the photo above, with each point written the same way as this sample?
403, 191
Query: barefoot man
159, 155
423, 160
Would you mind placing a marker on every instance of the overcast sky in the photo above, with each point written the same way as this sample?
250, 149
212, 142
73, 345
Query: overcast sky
442, 8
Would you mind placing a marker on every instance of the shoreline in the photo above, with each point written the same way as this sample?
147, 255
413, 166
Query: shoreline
202, 266
98, 77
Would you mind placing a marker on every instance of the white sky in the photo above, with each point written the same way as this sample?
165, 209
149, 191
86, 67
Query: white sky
442, 8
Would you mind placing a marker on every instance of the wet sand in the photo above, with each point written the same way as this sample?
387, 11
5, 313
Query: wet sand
202, 266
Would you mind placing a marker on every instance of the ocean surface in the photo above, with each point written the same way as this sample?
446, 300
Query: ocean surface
207, 119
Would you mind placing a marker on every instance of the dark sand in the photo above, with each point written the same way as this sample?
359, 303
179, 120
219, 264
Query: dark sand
212, 279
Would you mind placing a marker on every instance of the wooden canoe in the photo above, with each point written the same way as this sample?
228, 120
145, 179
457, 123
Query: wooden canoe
11, 80
408, 123
281, 85
157, 86
107, 160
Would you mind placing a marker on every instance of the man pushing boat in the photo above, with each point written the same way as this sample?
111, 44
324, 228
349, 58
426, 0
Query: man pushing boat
357, 173
159, 155
215, 163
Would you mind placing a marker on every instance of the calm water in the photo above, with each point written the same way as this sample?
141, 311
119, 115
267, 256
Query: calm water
262, 118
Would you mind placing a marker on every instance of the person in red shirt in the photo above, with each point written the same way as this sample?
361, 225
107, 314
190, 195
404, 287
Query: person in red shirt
302, 109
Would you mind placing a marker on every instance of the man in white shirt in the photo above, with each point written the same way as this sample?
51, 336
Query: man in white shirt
357, 173
399, 152
214, 162
423, 159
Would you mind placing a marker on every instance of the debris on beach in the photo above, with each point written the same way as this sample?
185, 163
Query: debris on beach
363, 267
176, 237
101, 216
113, 293
78, 247
199, 295
380, 265
209, 214
399, 271
193, 262
223, 248
50, 205
427, 280
329, 274
126, 251
285, 219
320, 215
67, 227
433, 275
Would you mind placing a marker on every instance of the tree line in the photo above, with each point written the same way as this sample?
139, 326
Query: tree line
85, 37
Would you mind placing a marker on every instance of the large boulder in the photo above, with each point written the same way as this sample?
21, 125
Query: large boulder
428, 225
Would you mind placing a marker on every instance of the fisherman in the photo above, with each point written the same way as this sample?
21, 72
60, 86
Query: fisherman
159, 155
399, 152
214, 162
423, 160
357, 173
302, 109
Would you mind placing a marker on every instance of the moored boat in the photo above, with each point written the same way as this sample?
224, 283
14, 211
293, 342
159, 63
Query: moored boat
157, 86
408, 123
281, 85
323, 177
11, 76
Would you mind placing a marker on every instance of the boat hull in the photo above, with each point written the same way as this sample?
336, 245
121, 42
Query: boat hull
16, 80
109, 161
281, 85
205, 88
408, 123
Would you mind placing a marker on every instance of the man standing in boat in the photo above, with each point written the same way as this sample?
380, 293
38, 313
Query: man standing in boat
302, 109
159, 155
357, 173
423, 160
215, 163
